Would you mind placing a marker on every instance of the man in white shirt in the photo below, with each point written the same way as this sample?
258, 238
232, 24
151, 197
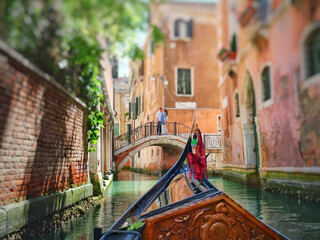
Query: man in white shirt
158, 119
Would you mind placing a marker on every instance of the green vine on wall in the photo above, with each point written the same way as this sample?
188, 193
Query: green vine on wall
60, 37
87, 54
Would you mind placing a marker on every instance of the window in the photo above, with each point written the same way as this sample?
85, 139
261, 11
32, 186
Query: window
236, 105
116, 129
265, 84
184, 81
158, 152
139, 154
313, 53
127, 100
219, 123
183, 29
151, 153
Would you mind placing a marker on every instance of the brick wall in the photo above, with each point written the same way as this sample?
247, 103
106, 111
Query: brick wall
43, 147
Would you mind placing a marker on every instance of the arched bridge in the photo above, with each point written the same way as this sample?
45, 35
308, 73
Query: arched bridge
126, 145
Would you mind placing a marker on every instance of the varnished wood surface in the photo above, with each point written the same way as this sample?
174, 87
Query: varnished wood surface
218, 218
175, 192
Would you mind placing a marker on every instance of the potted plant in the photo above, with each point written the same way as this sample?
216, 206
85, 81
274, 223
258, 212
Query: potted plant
223, 54
233, 47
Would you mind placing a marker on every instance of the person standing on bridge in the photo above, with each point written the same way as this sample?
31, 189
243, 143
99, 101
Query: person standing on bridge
158, 119
164, 129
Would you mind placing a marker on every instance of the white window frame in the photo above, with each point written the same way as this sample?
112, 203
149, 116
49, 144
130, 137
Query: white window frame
314, 79
172, 25
192, 81
269, 102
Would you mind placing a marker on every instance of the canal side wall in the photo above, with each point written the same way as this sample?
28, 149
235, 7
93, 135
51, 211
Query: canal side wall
270, 110
43, 144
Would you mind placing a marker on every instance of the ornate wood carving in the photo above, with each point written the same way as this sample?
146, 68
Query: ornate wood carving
215, 219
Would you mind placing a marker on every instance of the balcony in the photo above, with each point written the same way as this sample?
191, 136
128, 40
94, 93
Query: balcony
256, 11
213, 142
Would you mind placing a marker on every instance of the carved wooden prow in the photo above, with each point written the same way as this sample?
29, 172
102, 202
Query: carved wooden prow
216, 218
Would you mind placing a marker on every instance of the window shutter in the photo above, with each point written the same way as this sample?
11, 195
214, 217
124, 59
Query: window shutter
139, 105
129, 110
266, 84
190, 28
134, 112
176, 28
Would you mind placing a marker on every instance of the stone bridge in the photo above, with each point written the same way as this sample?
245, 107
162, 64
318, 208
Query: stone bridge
124, 154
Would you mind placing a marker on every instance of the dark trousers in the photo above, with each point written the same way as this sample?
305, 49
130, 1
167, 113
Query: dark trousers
158, 128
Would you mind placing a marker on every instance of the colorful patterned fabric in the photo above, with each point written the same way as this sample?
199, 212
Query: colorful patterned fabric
198, 161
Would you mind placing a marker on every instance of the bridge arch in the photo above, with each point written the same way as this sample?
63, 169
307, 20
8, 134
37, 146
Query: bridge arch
123, 155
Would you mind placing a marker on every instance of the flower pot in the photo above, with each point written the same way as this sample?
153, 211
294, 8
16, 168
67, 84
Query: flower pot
224, 55
233, 55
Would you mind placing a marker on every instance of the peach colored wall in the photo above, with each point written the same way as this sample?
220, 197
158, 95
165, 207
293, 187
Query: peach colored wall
199, 53
207, 119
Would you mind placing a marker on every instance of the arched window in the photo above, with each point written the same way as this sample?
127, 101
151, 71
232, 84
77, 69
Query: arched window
265, 84
312, 53
236, 105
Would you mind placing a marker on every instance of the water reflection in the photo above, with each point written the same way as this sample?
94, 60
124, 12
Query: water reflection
297, 219
119, 197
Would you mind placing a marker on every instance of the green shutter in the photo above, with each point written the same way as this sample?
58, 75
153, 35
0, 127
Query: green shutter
134, 111
137, 106
190, 28
129, 110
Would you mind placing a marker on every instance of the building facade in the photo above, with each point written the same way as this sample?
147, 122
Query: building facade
121, 105
270, 90
180, 73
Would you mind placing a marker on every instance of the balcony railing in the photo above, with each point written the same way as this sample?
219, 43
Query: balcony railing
260, 10
213, 141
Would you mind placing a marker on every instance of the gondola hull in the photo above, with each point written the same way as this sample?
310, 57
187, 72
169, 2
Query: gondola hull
179, 207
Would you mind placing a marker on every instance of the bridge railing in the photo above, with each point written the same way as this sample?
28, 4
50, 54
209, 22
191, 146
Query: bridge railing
150, 129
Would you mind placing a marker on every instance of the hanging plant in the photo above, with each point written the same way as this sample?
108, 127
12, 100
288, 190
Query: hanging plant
223, 54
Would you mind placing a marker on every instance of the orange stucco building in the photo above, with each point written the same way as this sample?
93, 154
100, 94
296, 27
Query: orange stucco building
180, 73
270, 90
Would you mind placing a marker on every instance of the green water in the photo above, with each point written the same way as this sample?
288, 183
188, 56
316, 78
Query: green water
297, 219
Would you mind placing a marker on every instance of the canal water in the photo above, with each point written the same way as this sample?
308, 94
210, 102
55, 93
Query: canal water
297, 219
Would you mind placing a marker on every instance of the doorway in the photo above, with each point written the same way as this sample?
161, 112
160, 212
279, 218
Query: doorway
251, 145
